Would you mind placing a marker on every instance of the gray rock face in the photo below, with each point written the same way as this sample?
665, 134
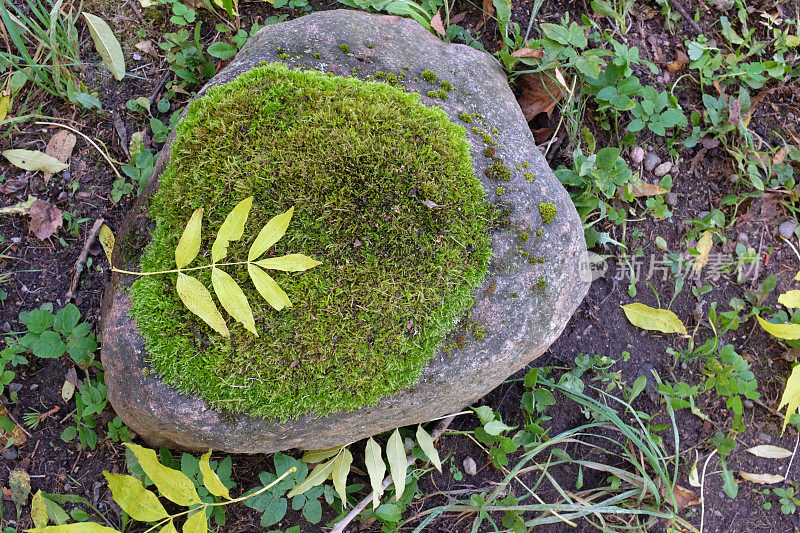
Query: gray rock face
533, 286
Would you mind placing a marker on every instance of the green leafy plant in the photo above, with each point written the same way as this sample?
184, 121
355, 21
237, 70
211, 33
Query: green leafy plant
198, 299
52, 335
90, 401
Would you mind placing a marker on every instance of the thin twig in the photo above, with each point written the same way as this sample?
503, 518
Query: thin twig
702, 486
90, 141
794, 453
682, 10
81, 262
8, 415
360, 506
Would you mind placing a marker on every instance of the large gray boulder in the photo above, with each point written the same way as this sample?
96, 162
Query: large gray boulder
532, 288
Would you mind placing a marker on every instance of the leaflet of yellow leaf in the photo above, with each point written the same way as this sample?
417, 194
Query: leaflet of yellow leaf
106, 238
129, 493
231, 229
790, 299
233, 299
172, 484
39, 510
787, 331
211, 479
289, 263
189, 245
197, 523
267, 288
341, 468
271, 233
198, 300
646, 317
797, 277
317, 456
704, 246
791, 396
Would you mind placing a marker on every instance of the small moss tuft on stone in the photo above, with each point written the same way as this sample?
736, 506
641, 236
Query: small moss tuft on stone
490, 151
285, 56
526, 165
548, 212
345, 48
498, 171
428, 76
479, 333
529, 176
446, 85
466, 117
316, 55
524, 236
500, 191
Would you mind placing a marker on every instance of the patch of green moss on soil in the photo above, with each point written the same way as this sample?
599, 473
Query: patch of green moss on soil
356, 160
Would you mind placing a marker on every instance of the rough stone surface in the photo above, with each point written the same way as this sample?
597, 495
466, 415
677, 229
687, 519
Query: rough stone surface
651, 161
521, 317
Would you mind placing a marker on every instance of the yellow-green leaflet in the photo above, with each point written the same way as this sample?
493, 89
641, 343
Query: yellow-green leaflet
317, 456
271, 233
233, 299
790, 299
197, 523
426, 443
289, 263
797, 277
77, 527
38, 510
169, 528
376, 470
198, 300
646, 317
189, 245
137, 501
211, 479
791, 396
34, 160
106, 238
107, 45
704, 248
267, 288
398, 463
341, 468
231, 229
172, 484
787, 331
317, 476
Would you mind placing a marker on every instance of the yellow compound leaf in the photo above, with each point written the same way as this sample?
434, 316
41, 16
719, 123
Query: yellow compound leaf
376, 470
172, 484
197, 523
341, 468
267, 288
289, 263
317, 476
790, 299
782, 331
211, 479
106, 238
233, 299
398, 463
317, 456
646, 317
704, 246
271, 233
198, 300
231, 229
791, 396
129, 493
38, 510
189, 245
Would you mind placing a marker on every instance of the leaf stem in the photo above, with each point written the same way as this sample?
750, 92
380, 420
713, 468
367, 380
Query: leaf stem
174, 270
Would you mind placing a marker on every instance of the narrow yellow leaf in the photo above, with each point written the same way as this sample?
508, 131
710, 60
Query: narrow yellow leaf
211, 479
129, 493
791, 396
797, 277
77, 527
787, 331
231, 229
646, 317
398, 463
790, 299
341, 468
289, 263
172, 484
267, 288
317, 456
106, 238
317, 476
763, 479
189, 245
4, 103
38, 510
197, 523
271, 233
198, 300
704, 246
34, 160
376, 470
767, 451
233, 299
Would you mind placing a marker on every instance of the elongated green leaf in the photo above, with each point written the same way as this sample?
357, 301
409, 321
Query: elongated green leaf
137, 501
790, 299
317, 476
341, 468
34, 160
231, 229
38, 510
289, 263
172, 484
106, 44
317, 456
376, 470
233, 299
267, 288
211, 479
197, 523
426, 443
198, 300
189, 245
78, 527
788, 331
646, 317
398, 463
270, 234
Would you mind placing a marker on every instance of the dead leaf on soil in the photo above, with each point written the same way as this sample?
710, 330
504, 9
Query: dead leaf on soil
13, 185
734, 112
763, 479
60, 146
540, 93
18, 434
656, 45
70, 383
647, 189
458, 18
704, 246
541, 135
437, 24
45, 219
527, 52
681, 497
765, 208
709, 142
488, 8
147, 48
768, 451
780, 156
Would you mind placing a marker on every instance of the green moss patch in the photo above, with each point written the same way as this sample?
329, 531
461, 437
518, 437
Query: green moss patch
356, 160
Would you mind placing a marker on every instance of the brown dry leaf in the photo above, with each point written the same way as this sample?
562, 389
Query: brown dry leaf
540, 93
13, 185
60, 146
709, 142
18, 434
437, 24
147, 48
488, 8
734, 112
647, 189
458, 18
675, 67
780, 156
763, 479
656, 46
542, 134
45, 219
527, 52
681, 497
765, 208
